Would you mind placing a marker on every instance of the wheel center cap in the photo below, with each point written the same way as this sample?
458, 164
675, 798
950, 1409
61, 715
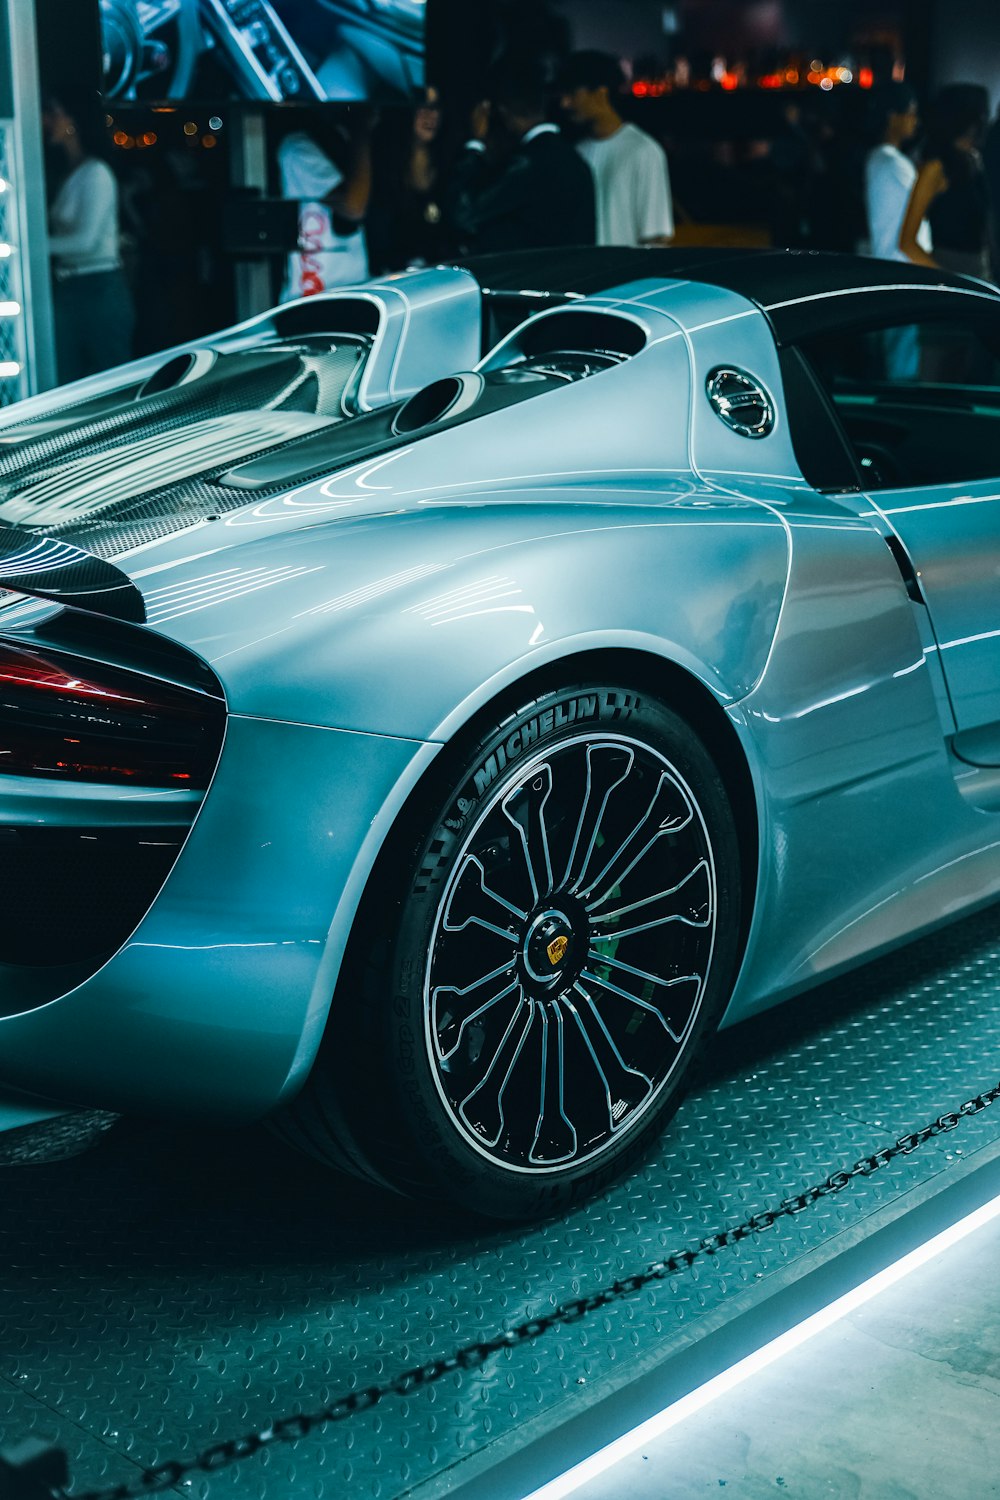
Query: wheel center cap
548, 947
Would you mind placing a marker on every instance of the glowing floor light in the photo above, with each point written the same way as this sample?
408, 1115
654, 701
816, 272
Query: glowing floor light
792, 1338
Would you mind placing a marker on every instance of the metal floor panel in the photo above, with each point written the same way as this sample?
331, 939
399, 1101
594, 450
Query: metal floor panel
176, 1287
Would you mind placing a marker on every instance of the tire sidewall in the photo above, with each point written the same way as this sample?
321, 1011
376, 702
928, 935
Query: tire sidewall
439, 1154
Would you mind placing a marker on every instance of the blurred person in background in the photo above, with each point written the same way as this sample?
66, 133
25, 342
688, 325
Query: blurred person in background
889, 179
790, 158
406, 223
835, 186
890, 174
92, 308
328, 170
991, 166
518, 183
168, 212
950, 191
631, 177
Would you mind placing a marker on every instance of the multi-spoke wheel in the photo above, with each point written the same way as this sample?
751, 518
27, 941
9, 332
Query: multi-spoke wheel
566, 937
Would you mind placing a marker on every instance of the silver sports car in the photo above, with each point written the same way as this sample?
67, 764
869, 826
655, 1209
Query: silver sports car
430, 709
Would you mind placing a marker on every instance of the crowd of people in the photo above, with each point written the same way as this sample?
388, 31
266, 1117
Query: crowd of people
543, 161
516, 181
387, 197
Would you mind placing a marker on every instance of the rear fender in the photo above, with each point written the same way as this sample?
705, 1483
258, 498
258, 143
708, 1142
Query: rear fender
407, 625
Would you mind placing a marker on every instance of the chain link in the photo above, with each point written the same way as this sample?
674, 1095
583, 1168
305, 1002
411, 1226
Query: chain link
171, 1472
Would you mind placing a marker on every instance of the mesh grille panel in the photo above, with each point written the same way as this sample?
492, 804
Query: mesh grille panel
310, 377
145, 418
68, 894
159, 514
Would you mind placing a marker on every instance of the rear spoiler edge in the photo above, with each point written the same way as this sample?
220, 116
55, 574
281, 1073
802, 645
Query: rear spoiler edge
46, 567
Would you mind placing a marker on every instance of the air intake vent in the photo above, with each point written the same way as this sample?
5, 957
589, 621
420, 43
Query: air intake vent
178, 371
585, 332
450, 397
315, 315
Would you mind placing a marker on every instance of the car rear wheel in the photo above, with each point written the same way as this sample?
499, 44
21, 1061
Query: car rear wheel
533, 1001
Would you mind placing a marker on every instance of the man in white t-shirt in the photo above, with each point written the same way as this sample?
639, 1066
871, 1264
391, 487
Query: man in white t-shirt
332, 207
631, 177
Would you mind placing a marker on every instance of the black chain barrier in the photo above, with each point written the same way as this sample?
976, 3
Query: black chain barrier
34, 1471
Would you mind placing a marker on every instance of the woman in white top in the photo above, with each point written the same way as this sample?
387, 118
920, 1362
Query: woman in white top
93, 310
890, 173
889, 178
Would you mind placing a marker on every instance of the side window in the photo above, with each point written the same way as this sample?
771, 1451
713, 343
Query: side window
919, 402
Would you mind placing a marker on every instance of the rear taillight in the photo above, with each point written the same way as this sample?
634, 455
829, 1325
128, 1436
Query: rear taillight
77, 721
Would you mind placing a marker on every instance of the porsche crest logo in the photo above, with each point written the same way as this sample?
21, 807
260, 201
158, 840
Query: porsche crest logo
556, 949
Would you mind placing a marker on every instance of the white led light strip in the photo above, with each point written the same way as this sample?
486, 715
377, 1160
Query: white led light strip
12, 338
792, 1338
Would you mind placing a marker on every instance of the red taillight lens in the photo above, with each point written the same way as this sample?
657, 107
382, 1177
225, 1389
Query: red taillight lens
80, 722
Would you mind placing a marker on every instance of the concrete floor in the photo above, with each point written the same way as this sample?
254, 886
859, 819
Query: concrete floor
898, 1401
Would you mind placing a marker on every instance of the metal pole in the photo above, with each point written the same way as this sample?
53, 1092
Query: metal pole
248, 169
28, 228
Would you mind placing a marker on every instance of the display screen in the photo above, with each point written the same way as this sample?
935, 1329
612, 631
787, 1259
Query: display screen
278, 51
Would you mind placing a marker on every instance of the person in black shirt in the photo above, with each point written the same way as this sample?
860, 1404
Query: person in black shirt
406, 224
991, 168
540, 193
950, 190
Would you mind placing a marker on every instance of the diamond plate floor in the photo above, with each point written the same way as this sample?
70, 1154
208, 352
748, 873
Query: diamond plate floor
175, 1287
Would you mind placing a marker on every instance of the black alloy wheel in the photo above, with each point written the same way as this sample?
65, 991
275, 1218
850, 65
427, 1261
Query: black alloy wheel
565, 940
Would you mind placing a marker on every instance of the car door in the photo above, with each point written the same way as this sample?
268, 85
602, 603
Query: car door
919, 402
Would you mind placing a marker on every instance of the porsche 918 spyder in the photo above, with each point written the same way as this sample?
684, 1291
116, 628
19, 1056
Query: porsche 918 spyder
429, 710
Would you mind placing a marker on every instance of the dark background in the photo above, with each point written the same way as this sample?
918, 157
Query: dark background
176, 168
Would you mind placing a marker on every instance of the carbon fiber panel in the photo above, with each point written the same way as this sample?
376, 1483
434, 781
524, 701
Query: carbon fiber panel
24, 454
177, 1287
162, 512
128, 439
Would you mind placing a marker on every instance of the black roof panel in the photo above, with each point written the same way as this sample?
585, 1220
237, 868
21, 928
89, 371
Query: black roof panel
767, 277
